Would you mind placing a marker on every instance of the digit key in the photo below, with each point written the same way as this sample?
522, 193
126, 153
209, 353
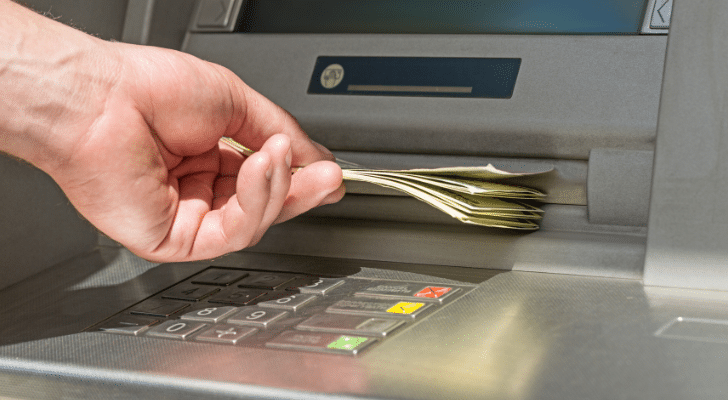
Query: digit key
158, 308
237, 297
256, 316
218, 277
292, 303
189, 292
322, 286
266, 280
176, 329
210, 314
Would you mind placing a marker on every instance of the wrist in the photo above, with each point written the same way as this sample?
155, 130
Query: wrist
54, 80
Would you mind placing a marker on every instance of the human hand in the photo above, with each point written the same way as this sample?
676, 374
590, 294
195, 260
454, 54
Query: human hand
151, 174
131, 134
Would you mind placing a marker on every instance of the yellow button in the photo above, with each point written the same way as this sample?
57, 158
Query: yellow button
404, 307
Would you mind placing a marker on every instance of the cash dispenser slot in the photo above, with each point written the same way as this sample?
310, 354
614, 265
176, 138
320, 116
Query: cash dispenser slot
613, 184
564, 184
583, 232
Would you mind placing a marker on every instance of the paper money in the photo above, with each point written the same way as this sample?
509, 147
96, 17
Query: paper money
468, 194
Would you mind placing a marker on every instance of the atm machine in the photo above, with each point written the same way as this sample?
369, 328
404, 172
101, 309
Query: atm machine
621, 293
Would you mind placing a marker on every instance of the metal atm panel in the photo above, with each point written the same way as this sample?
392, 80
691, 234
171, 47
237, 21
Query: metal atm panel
561, 313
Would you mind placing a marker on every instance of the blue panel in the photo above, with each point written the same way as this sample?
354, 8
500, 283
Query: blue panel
415, 76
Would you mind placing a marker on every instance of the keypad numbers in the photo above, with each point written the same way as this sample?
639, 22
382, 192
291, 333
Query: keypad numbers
282, 310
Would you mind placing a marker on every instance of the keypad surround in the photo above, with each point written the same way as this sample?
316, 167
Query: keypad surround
282, 310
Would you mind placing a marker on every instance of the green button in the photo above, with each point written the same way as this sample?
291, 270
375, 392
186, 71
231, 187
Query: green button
347, 342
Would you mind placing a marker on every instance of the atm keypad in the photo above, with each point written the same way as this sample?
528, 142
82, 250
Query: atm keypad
280, 310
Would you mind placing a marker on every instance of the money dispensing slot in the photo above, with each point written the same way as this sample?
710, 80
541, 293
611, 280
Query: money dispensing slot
473, 195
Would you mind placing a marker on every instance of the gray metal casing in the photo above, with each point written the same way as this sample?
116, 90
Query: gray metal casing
573, 93
688, 225
558, 314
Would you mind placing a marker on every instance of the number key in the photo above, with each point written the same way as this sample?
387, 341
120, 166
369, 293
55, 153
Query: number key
237, 297
268, 280
292, 303
176, 329
189, 292
256, 316
218, 277
210, 314
158, 308
322, 286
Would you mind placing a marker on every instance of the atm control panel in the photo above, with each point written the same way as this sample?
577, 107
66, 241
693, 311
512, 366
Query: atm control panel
243, 307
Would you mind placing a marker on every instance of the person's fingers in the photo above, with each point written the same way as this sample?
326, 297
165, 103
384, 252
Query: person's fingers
334, 196
261, 189
319, 183
219, 202
224, 186
259, 119
230, 160
232, 226
280, 149
207, 162
195, 201
191, 103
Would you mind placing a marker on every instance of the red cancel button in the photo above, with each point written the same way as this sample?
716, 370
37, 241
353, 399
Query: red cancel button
433, 292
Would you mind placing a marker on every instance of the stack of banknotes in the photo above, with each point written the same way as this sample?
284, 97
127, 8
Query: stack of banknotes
474, 195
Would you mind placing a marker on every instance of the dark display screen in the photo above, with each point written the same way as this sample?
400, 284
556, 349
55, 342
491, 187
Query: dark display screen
443, 16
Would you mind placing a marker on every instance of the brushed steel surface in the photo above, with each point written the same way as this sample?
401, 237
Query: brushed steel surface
566, 249
688, 225
517, 335
573, 93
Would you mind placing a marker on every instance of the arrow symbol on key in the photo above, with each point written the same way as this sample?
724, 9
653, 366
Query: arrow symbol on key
659, 10
223, 9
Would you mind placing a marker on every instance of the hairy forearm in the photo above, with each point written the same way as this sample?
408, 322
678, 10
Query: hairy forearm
50, 86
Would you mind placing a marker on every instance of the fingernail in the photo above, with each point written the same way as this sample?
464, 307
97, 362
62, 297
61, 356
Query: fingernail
269, 172
289, 158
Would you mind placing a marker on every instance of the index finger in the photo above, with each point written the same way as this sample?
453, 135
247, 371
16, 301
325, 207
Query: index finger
256, 119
